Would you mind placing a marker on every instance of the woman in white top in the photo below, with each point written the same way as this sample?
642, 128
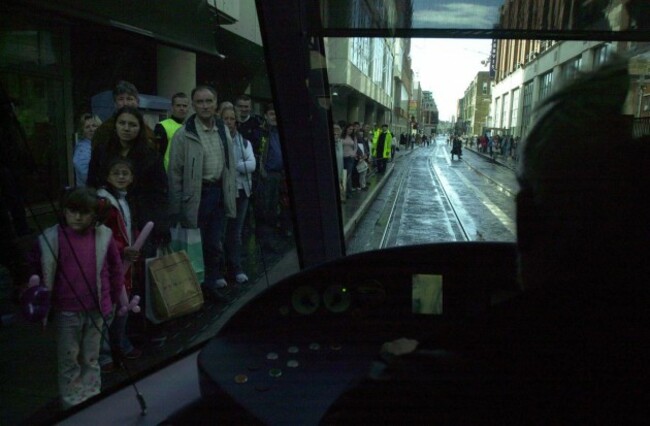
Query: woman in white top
349, 154
245, 166
362, 160
338, 151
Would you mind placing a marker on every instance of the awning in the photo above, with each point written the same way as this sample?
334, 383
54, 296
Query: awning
187, 24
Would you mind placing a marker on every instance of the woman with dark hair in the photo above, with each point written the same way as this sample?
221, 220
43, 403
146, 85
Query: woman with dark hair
148, 193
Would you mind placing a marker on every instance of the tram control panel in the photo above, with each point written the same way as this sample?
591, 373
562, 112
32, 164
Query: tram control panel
288, 354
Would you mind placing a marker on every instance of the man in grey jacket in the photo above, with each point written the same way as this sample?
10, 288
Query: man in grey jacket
202, 183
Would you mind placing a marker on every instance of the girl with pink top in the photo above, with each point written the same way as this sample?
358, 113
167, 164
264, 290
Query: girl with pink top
81, 266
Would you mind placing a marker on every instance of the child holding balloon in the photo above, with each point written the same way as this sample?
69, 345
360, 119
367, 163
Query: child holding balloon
81, 266
118, 218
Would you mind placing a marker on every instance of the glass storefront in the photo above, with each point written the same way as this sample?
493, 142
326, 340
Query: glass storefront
31, 71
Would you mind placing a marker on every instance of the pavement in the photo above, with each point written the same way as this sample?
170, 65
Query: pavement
356, 205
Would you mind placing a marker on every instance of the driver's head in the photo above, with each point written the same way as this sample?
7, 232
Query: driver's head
581, 221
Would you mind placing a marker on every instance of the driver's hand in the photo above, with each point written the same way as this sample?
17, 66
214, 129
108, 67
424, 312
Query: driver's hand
401, 346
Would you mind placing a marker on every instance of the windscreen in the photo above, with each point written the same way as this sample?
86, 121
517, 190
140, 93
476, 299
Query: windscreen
425, 106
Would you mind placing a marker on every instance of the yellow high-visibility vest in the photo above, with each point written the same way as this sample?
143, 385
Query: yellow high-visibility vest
171, 126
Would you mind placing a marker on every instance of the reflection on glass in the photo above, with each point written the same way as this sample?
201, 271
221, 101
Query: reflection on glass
427, 294
41, 103
477, 15
51, 72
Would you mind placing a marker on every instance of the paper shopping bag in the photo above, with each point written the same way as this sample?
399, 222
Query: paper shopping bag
189, 240
173, 288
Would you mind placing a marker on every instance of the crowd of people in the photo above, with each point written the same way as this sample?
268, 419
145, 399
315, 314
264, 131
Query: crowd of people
503, 145
360, 151
219, 170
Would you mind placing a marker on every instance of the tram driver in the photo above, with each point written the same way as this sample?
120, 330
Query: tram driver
573, 346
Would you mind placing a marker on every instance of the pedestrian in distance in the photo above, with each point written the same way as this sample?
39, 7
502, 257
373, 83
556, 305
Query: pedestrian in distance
381, 147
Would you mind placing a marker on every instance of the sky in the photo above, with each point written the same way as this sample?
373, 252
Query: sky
446, 67
455, 13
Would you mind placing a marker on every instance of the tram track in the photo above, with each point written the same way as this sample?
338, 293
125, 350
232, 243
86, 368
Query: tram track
383, 243
453, 207
430, 198
457, 228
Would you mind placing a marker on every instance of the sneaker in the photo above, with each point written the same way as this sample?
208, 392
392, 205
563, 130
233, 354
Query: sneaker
108, 367
221, 283
241, 278
135, 353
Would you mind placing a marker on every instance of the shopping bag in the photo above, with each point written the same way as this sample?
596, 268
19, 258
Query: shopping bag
172, 288
189, 240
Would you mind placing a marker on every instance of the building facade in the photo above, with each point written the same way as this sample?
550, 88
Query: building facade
429, 113
528, 71
474, 107
360, 72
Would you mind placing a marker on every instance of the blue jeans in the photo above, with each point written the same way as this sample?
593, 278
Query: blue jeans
211, 220
234, 231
